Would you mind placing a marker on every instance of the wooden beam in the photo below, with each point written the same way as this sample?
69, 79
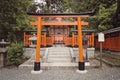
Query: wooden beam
70, 16
84, 23
34, 23
64, 23
73, 38
39, 26
80, 40
44, 39
59, 23
92, 39
24, 38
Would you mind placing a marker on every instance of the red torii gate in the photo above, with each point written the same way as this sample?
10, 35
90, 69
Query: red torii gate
40, 22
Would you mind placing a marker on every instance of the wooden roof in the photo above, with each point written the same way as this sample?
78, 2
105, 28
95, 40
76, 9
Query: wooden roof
112, 30
72, 30
109, 31
84, 31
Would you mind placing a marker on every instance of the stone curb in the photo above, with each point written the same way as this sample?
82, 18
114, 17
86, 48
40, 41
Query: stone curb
109, 63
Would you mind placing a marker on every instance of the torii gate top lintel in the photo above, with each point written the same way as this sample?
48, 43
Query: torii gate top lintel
58, 18
61, 14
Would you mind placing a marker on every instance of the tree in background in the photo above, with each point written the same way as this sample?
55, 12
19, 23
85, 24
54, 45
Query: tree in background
47, 6
103, 10
13, 19
103, 13
116, 17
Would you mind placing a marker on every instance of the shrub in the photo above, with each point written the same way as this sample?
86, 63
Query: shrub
15, 54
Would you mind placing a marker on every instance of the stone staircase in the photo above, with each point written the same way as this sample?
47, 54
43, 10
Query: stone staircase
58, 55
55, 57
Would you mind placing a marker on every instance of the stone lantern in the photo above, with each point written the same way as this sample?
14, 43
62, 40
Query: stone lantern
33, 40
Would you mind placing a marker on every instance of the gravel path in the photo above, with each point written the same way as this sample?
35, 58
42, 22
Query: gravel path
107, 73
93, 74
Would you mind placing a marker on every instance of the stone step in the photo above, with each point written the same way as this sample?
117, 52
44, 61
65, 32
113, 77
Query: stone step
55, 65
53, 60
59, 47
59, 53
58, 50
60, 64
63, 66
59, 56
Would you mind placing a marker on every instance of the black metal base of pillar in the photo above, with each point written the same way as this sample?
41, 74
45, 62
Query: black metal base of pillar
37, 66
81, 65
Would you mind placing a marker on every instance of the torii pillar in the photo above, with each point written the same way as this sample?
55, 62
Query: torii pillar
81, 63
37, 65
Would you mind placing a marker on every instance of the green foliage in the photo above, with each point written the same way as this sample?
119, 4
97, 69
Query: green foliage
103, 17
103, 13
52, 6
103, 10
13, 19
15, 54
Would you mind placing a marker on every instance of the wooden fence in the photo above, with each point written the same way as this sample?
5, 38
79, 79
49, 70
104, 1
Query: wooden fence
68, 41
